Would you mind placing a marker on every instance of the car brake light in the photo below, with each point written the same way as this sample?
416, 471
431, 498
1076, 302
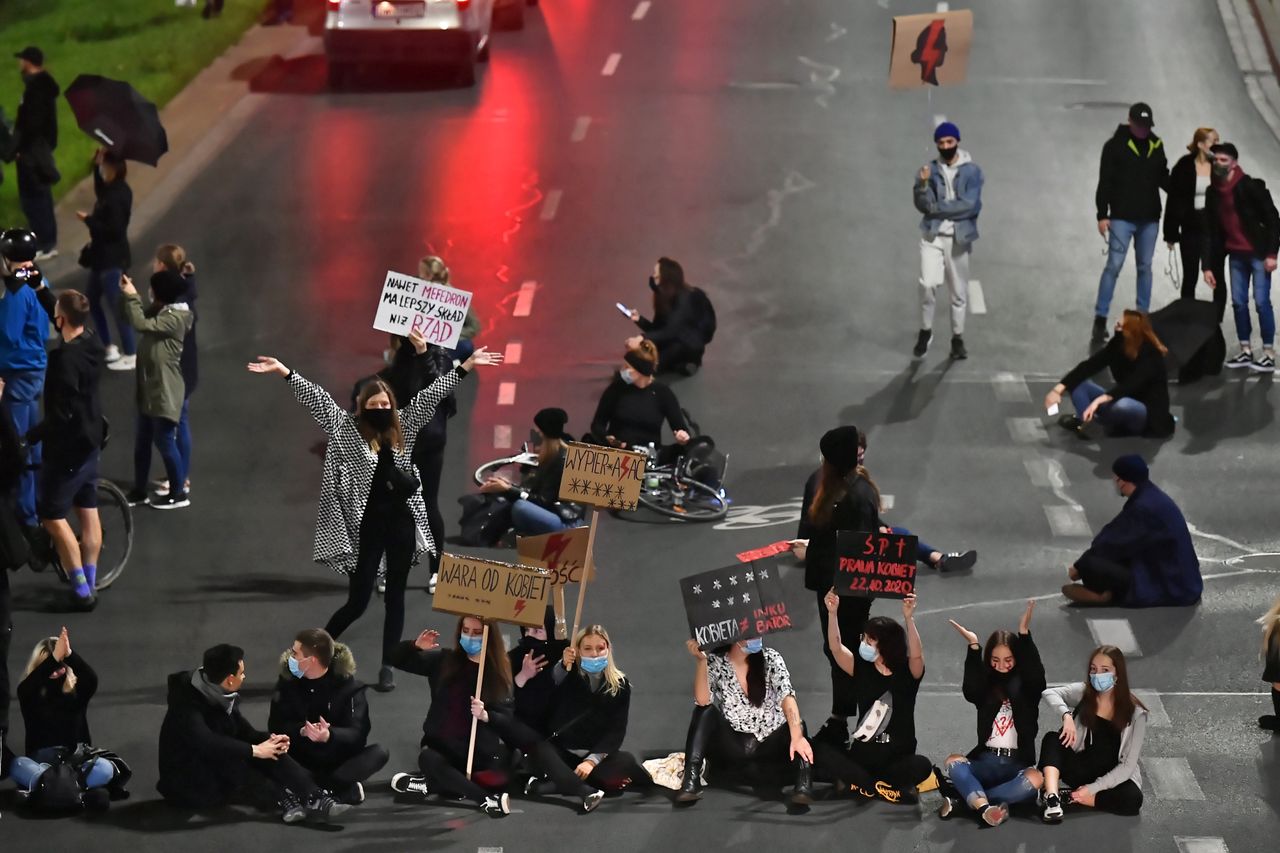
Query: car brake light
462, 4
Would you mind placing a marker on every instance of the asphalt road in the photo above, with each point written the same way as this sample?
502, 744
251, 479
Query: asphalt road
755, 141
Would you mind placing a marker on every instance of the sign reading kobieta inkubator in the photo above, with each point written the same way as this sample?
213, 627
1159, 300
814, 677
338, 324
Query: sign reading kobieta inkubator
563, 554
469, 586
734, 603
875, 565
603, 477
409, 304
930, 49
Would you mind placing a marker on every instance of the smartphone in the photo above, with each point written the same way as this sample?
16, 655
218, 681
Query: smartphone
1053, 410
626, 312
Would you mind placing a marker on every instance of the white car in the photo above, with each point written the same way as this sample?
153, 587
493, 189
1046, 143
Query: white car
408, 32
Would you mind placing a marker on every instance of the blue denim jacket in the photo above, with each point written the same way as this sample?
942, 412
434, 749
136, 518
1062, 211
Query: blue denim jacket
963, 210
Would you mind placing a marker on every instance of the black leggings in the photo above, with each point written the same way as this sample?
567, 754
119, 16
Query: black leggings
1100, 575
393, 535
734, 754
444, 764
616, 771
428, 455
1081, 768
1189, 247
863, 764
852, 617
356, 768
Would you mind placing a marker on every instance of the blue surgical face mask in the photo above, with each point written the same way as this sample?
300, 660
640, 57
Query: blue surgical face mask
867, 652
753, 645
294, 668
1102, 681
627, 375
470, 645
594, 666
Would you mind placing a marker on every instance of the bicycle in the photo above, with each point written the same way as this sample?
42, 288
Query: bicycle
117, 539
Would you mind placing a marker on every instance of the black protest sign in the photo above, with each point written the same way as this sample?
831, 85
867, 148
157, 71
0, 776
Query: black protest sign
875, 565
734, 603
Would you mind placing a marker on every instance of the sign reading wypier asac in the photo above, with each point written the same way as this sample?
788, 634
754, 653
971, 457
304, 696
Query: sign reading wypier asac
409, 304
604, 477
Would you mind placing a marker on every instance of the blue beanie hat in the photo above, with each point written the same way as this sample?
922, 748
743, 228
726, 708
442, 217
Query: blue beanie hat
947, 128
1131, 468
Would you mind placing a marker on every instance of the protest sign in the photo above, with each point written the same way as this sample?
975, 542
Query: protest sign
734, 603
409, 304
875, 565
930, 49
603, 477
563, 554
469, 586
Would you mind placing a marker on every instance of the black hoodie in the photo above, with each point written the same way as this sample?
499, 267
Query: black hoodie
337, 696
72, 425
1130, 177
37, 119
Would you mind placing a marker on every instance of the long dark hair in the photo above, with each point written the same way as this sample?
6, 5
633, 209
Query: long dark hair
392, 437
997, 686
497, 685
891, 640
755, 673
1123, 702
831, 488
670, 284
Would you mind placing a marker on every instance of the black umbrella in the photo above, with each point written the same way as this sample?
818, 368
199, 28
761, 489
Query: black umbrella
1191, 331
112, 112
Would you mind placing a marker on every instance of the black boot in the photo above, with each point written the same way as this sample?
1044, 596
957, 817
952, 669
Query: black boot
958, 352
803, 793
694, 749
1099, 330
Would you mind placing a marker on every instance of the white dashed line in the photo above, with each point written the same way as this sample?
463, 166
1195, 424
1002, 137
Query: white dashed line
977, 300
524, 302
580, 129
502, 437
1067, 521
506, 393
1200, 845
1115, 632
642, 9
944, 7
1025, 430
886, 502
1156, 714
513, 352
1171, 778
551, 205
1045, 473
611, 64
1011, 388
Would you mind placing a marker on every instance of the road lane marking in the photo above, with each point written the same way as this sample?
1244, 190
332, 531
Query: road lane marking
1046, 473
580, 129
1025, 430
938, 118
611, 64
1200, 845
506, 393
1067, 520
551, 205
524, 302
1195, 531
977, 300
944, 7
502, 437
1172, 779
1011, 388
1156, 714
642, 9
886, 502
513, 352
1115, 632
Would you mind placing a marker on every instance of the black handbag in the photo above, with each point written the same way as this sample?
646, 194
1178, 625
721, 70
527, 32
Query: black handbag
401, 485
485, 518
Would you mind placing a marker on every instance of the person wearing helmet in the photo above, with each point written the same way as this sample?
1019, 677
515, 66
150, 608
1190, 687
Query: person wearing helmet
23, 327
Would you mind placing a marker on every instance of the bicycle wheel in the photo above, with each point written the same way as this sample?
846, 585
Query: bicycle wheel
511, 467
686, 500
117, 532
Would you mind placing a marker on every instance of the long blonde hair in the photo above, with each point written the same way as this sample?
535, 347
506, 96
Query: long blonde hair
549, 450
1270, 623
43, 651
614, 678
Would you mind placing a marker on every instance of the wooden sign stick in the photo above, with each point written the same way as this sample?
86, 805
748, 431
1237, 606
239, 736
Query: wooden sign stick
587, 565
558, 604
475, 723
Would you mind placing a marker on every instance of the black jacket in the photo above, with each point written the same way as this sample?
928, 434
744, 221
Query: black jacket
535, 701
1145, 379
634, 415
449, 718
1181, 219
37, 119
72, 425
543, 484
583, 719
1258, 219
857, 510
679, 324
1130, 176
204, 751
189, 364
50, 716
109, 224
337, 696
1024, 689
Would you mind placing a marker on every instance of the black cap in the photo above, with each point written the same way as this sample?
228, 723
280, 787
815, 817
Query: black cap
839, 446
1225, 148
31, 54
1131, 468
1140, 113
18, 245
551, 422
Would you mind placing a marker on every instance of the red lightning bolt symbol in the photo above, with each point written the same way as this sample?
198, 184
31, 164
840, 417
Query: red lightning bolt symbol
929, 56
626, 466
519, 606
555, 549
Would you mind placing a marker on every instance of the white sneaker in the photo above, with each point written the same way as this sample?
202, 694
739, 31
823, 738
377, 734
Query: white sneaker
124, 362
46, 255
431, 585
113, 353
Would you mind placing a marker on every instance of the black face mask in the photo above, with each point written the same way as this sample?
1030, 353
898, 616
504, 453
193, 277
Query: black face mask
534, 645
948, 154
379, 419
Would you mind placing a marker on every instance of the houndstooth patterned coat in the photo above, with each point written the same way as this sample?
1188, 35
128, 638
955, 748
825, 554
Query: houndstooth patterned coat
349, 464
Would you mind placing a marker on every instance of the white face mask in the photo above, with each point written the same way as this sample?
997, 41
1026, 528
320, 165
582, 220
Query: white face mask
627, 375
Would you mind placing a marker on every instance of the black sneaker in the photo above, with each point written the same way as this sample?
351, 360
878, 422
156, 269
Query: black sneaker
1270, 722
84, 604
957, 562
958, 352
1266, 364
590, 801
291, 810
354, 794
1244, 358
499, 806
407, 783
136, 498
922, 343
386, 680
533, 787
322, 807
169, 501
1052, 809
1070, 422
1100, 334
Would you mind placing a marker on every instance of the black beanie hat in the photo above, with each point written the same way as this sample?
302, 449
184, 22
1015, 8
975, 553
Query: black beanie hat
642, 365
169, 286
840, 447
551, 422
1131, 468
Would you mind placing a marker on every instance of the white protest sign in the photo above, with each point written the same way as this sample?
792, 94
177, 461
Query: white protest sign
409, 304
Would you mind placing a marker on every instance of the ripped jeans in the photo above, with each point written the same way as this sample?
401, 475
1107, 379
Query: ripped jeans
997, 778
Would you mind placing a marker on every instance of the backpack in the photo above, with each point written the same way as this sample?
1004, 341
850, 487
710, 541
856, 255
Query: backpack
706, 322
58, 790
485, 518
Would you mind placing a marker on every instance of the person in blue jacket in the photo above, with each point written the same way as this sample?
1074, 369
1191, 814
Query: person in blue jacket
23, 329
1144, 556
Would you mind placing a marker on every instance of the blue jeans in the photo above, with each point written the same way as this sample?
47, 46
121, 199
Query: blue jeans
529, 519
164, 434
923, 548
25, 772
184, 441
1125, 416
1246, 268
104, 286
36, 200
995, 778
21, 402
1143, 235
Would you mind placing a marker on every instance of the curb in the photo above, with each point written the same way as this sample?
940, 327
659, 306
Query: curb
1252, 46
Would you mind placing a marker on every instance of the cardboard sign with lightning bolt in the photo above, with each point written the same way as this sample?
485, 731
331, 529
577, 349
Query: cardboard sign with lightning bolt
470, 586
930, 49
563, 554
734, 603
603, 477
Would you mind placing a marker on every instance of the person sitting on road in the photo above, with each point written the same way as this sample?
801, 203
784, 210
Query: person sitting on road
1144, 557
1270, 622
446, 732
322, 707
880, 759
54, 697
746, 722
581, 757
536, 507
632, 409
1095, 754
1138, 404
210, 754
1004, 681
683, 320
